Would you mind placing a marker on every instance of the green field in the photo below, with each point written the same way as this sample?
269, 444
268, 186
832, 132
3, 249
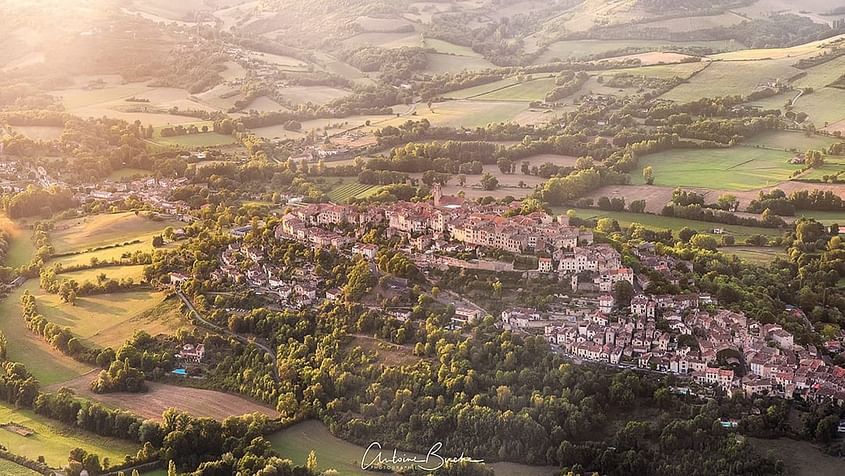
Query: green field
527, 91
127, 173
736, 168
449, 48
440, 63
825, 217
659, 222
84, 233
108, 320
44, 362
297, 441
206, 139
755, 254
134, 272
346, 191
801, 458
790, 140
728, 78
107, 254
823, 106
21, 248
662, 71
8, 468
54, 440
580, 48
481, 89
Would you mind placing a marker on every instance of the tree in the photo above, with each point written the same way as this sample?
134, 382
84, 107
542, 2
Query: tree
727, 201
489, 182
171, 468
648, 175
607, 225
158, 241
311, 462
504, 164
637, 206
525, 168
704, 242
623, 292
685, 234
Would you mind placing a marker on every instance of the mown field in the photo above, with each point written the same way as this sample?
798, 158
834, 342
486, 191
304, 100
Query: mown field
47, 365
790, 140
54, 441
801, 458
534, 90
21, 247
297, 441
343, 193
659, 222
736, 168
728, 78
580, 48
84, 233
133, 272
8, 468
109, 320
107, 254
662, 71
755, 254
160, 396
45, 133
128, 173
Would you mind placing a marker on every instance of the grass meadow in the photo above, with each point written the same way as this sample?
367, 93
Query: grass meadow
659, 222
736, 168
84, 233
54, 441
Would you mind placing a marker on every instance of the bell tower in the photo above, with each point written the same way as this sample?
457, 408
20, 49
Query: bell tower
437, 191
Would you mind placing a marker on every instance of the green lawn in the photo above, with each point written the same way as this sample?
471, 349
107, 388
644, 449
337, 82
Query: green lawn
663, 71
580, 48
125, 173
107, 254
481, 89
54, 440
534, 90
439, 63
42, 360
346, 191
207, 139
755, 254
108, 320
297, 441
790, 140
736, 168
9, 468
21, 247
134, 272
728, 78
659, 222
81, 234
823, 216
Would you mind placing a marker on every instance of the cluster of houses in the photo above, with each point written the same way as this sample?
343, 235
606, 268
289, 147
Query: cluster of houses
295, 290
688, 335
154, 191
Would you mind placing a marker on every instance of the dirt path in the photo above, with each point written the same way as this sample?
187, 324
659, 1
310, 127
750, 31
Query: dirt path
160, 397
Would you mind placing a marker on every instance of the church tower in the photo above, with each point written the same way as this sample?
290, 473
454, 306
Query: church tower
437, 191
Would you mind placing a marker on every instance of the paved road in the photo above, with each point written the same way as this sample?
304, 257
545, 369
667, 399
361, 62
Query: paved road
223, 330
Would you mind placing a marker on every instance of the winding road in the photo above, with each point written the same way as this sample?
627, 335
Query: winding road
223, 330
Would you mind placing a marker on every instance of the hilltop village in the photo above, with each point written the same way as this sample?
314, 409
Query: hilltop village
595, 320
